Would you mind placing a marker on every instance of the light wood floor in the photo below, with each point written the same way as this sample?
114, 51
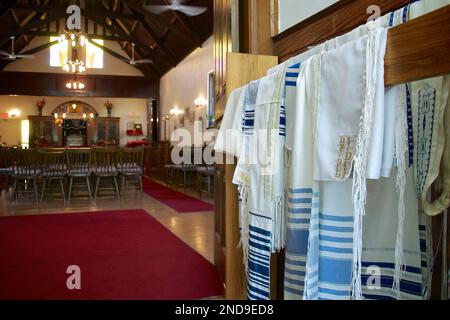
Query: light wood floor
195, 229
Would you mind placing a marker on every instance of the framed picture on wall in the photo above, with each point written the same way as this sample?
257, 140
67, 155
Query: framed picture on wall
210, 111
130, 126
137, 126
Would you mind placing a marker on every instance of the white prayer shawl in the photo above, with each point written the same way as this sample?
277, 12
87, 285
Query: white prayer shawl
260, 178
242, 174
391, 100
429, 99
430, 134
301, 178
380, 237
340, 112
229, 137
363, 67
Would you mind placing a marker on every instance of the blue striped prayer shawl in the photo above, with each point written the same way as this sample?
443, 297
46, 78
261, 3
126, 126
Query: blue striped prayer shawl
298, 215
330, 252
258, 275
298, 220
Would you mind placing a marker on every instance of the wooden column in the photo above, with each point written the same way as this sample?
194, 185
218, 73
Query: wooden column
258, 24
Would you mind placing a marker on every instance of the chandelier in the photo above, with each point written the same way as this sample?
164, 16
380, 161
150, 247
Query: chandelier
75, 51
75, 85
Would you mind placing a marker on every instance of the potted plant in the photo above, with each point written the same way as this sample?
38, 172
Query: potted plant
40, 105
109, 107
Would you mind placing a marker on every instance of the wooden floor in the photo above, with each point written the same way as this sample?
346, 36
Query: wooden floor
195, 229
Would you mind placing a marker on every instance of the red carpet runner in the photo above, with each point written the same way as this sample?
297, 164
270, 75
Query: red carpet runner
178, 201
122, 255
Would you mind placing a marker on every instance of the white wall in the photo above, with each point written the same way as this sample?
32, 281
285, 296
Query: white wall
184, 84
41, 62
292, 12
129, 110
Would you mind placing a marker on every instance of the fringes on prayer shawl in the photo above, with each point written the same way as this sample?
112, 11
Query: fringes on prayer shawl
360, 168
401, 151
279, 234
245, 223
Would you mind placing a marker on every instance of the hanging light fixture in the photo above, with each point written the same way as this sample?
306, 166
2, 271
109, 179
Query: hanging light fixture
76, 51
75, 85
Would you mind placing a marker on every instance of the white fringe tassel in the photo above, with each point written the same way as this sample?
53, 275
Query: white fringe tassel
401, 150
245, 222
360, 168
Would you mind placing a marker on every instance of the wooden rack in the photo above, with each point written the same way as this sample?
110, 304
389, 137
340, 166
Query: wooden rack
416, 50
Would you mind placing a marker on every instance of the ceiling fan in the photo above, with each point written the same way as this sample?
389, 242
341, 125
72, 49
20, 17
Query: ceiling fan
134, 62
176, 5
12, 56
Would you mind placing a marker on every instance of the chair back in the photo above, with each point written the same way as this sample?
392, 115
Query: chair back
53, 163
27, 162
132, 159
6, 161
79, 161
105, 160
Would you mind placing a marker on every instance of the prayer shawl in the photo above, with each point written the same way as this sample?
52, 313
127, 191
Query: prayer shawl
429, 100
301, 182
336, 141
260, 178
230, 133
379, 249
358, 60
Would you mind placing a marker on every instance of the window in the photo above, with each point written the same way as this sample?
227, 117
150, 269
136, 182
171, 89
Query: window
58, 53
94, 55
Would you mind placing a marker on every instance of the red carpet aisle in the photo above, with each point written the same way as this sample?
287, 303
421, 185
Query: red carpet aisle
122, 255
178, 201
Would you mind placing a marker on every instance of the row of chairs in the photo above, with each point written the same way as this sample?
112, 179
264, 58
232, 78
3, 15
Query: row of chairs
27, 167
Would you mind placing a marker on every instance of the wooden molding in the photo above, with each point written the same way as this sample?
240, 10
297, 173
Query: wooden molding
334, 21
419, 49
53, 84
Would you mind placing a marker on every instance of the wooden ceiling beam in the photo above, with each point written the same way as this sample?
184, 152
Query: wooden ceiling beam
58, 9
4, 37
125, 37
41, 33
115, 55
139, 10
155, 37
40, 48
17, 22
4, 9
188, 25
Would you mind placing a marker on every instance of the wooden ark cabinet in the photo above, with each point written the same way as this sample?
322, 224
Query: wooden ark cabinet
44, 126
106, 129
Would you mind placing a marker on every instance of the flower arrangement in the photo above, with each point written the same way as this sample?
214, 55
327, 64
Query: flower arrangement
109, 107
40, 105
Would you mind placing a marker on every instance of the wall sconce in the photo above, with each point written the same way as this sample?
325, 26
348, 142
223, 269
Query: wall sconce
175, 111
200, 102
13, 113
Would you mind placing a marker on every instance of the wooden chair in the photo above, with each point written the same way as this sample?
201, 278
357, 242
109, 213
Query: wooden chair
105, 165
6, 168
131, 166
79, 166
205, 180
27, 169
54, 168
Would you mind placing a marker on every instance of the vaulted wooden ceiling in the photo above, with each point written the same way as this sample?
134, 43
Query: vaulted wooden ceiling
166, 38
